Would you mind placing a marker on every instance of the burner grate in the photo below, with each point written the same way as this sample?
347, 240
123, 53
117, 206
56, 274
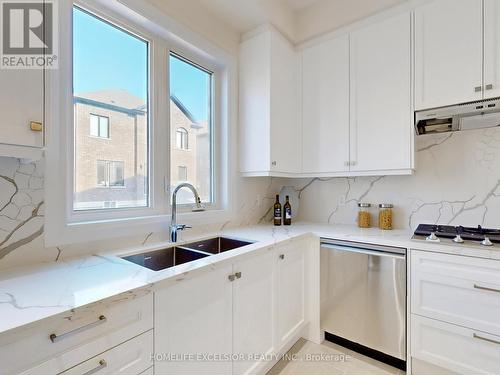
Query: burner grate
467, 233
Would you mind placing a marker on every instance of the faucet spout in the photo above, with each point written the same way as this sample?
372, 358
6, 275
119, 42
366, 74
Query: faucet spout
174, 227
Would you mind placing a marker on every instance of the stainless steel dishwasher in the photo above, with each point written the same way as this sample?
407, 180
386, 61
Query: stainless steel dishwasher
363, 298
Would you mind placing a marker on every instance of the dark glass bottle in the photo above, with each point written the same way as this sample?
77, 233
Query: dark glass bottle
277, 211
287, 212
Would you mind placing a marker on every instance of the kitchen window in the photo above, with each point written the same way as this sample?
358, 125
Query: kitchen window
99, 126
191, 90
124, 73
116, 83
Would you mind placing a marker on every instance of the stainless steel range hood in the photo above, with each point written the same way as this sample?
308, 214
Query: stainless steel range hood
473, 115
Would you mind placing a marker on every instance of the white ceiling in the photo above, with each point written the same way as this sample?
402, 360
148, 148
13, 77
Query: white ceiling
288, 15
244, 15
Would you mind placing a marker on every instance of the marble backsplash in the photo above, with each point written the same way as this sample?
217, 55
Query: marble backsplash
457, 181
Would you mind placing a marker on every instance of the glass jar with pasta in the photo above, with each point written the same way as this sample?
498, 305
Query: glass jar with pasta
385, 216
364, 215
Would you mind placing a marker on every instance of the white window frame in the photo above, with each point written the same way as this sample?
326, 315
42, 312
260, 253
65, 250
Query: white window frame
63, 225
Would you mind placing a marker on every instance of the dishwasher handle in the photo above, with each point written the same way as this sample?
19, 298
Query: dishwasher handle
359, 250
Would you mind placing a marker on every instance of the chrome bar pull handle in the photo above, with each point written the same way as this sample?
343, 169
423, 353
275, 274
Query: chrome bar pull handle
55, 338
486, 288
479, 337
478, 89
489, 87
102, 364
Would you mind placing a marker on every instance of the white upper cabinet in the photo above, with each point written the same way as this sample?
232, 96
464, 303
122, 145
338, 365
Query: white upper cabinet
491, 48
325, 106
449, 52
269, 110
21, 102
381, 130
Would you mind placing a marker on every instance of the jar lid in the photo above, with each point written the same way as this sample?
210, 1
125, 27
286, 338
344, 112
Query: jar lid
386, 205
364, 205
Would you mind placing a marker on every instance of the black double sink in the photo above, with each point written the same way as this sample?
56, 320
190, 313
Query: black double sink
173, 256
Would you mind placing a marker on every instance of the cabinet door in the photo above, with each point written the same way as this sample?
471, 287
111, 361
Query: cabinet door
285, 132
253, 308
290, 292
325, 106
194, 317
21, 101
491, 49
381, 110
254, 104
449, 53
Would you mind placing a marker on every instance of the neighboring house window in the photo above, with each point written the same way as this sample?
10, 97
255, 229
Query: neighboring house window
182, 139
110, 173
99, 126
191, 88
115, 84
182, 173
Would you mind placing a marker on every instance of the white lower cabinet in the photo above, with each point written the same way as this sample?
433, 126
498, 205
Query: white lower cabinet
290, 297
455, 306
132, 357
243, 312
193, 318
456, 289
253, 309
72, 338
455, 348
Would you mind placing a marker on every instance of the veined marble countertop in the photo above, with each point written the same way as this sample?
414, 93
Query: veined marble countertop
29, 295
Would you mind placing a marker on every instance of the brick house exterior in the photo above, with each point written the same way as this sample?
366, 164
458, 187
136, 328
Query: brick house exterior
126, 145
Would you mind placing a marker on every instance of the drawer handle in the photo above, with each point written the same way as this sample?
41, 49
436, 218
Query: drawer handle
55, 338
485, 288
238, 275
102, 364
476, 336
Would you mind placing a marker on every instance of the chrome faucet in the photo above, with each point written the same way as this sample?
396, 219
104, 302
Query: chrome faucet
174, 227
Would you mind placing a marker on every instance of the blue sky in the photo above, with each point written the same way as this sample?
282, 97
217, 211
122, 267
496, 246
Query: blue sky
107, 58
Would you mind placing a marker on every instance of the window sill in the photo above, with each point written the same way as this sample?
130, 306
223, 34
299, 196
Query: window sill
80, 232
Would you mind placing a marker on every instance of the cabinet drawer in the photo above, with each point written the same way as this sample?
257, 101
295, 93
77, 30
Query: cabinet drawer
129, 358
456, 289
91, 330
454, 348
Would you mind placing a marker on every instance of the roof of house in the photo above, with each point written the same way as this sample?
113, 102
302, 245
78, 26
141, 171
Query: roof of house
125, 101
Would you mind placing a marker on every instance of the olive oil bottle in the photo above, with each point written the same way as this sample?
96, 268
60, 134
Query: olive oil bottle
277, 211
287, 212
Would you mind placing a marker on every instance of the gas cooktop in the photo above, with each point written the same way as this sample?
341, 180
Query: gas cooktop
459, 235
